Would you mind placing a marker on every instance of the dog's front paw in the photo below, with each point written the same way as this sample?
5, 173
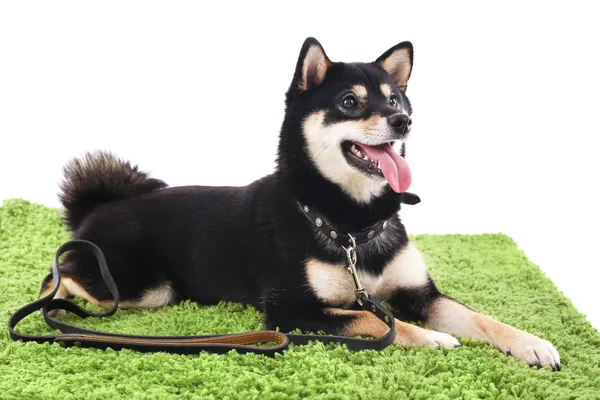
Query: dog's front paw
534, 351
439, 339
416, 336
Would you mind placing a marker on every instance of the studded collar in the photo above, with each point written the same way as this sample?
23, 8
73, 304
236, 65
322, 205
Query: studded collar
344, 238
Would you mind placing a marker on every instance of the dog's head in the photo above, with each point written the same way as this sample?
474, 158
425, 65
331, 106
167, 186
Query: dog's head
351, 119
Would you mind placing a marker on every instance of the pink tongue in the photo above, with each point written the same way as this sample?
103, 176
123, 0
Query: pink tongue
394, 168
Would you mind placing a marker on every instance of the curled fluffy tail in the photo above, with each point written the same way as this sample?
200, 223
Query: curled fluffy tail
99, 178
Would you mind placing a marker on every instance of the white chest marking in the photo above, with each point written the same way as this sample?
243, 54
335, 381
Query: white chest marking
333, 285
406, 270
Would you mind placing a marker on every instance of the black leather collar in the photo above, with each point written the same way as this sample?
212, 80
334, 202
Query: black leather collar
343, 238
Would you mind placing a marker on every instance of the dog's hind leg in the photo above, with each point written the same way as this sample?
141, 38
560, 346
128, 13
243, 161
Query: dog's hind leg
69, 288
153, 297
62, 293
48, 286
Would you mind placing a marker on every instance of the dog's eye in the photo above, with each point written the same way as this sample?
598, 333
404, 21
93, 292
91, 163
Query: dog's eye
349, 101
394, 101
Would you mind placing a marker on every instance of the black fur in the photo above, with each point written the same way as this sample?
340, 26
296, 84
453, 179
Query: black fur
242, 244
98, 179
414, 304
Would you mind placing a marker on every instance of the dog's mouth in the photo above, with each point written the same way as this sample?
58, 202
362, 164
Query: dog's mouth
379, 160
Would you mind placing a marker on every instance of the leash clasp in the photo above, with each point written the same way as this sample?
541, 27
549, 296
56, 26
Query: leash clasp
351, 261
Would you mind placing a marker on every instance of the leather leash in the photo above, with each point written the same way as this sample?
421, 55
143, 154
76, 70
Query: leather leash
248, 342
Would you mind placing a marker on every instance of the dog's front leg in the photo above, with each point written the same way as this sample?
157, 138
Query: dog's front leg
414, 296
365, 323
448, 315
352, 323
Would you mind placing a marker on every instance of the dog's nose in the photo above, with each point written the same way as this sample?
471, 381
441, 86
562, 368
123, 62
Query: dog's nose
401, 122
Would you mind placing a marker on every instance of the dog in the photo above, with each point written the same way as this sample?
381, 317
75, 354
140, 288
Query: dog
340, 168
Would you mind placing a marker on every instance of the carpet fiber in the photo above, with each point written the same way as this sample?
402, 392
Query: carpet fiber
487, 272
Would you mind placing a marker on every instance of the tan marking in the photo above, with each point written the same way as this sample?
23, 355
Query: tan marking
75, 289
374, 123
386, 90
154, 297
367, 324
360, 91
447, 315
398, 66
314, 68
450, 316
60, 294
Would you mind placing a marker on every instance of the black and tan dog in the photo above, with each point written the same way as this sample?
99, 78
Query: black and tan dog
340, 156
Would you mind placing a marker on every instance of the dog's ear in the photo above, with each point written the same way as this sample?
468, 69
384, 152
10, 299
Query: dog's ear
397, 62
312, 65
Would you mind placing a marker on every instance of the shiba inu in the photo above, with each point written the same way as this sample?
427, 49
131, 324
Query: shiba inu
278, 243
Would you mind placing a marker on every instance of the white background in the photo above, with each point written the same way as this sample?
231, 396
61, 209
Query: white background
505, 105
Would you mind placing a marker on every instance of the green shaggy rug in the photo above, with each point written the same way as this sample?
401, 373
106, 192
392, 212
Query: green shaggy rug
488, 272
